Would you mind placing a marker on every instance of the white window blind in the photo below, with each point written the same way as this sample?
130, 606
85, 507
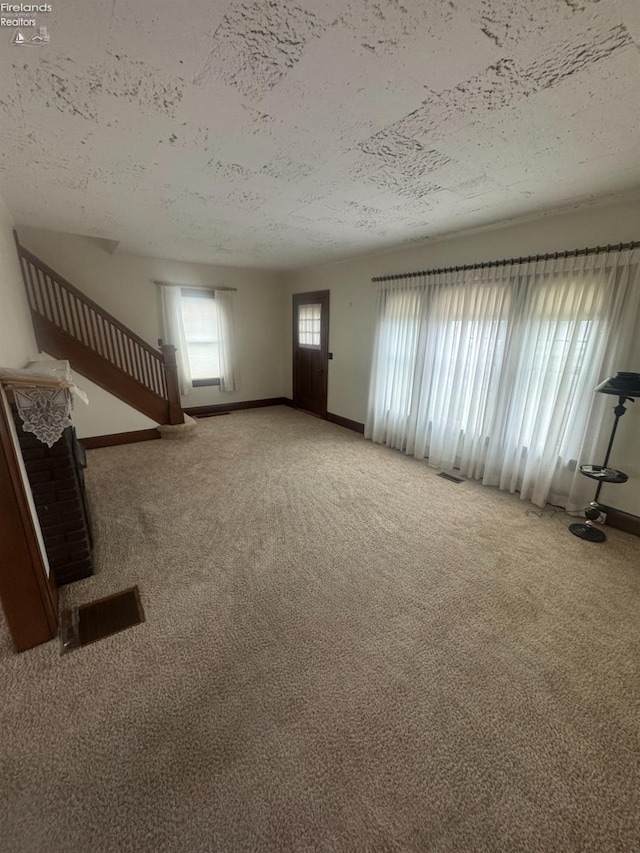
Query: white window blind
309, 325
200, 319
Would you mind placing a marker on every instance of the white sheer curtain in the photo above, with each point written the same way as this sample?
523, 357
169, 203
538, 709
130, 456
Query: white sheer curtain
173, 329
491, 371
226, 341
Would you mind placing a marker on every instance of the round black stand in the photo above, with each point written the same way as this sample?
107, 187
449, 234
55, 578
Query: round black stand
587, 531
603, 474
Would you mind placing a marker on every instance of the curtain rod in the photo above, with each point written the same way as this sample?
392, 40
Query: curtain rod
593, 250
192, 286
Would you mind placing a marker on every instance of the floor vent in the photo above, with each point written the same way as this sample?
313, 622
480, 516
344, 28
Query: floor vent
88, 623
450, 477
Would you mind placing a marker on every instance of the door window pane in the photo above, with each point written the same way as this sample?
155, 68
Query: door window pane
309, 325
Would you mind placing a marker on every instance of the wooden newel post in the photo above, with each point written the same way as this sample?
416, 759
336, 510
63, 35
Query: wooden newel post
176, 415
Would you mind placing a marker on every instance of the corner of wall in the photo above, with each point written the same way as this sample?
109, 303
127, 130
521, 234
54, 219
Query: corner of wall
17, 339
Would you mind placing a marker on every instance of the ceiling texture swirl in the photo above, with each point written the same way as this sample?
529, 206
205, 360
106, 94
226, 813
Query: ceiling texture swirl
283, 133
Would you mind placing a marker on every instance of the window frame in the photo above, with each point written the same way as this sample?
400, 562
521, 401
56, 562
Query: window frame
581, 330
200, 293
317, 347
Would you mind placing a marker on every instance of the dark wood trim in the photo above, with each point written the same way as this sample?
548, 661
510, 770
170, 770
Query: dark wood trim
356, 426
69, 325
176, 415
85, 361
194, 411
81, 296
622, 520
94, 441
29, 598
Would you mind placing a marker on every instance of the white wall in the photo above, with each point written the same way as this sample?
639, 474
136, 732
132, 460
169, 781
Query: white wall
123, 285
105, 414
17, 341
351, 322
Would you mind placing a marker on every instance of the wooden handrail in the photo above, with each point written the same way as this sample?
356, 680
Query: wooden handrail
59, 344
83, 297
56, 301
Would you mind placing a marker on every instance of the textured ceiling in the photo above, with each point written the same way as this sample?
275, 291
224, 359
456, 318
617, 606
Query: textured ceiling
280, 133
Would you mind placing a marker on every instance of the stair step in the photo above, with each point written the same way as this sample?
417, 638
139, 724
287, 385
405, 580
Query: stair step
178, 431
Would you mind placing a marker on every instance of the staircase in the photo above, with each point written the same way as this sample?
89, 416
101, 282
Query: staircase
68, 325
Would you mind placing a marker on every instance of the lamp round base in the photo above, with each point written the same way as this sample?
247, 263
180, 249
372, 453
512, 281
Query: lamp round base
586, 531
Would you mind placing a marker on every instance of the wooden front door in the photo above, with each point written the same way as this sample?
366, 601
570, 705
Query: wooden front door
311, 351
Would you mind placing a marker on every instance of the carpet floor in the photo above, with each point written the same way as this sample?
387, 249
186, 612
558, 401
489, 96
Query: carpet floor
342, 652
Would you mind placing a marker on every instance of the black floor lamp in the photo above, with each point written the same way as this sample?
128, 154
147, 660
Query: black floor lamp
625, 386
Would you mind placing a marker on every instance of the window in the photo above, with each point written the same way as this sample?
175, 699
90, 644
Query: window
309, 325
200, 320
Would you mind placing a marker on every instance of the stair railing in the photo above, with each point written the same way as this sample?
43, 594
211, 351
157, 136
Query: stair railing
55, 299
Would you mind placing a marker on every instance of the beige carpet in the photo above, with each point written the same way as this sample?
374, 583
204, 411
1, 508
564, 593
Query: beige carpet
342, 652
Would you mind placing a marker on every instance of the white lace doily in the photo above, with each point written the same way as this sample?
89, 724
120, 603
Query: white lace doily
46, 412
